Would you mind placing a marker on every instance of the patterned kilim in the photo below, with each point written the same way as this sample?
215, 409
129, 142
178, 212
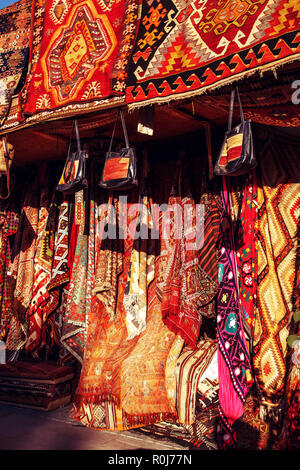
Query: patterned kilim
74, 321
187, 280
21, 268
79, 52
186, 48
278, 216
8, 226
135, 376
14, 43
191, 365
141, 274
42, 273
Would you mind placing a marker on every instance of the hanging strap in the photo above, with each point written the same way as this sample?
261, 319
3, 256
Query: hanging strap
72, 158
120, 112
232, 96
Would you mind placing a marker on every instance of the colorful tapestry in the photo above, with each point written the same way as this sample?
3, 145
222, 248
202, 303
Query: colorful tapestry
42, 272
14, 43
136, 376
278, 215
8, 227
79, 52
21, 268
246, 253
74, 321
141, 273
187, 281
109, 262
233, 358
191, 366
186, 48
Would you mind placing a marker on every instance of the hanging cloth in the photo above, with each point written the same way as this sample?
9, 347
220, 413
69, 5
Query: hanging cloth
233, 358
247, 254
141, 273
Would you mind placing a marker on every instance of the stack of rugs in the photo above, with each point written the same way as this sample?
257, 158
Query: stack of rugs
40, 385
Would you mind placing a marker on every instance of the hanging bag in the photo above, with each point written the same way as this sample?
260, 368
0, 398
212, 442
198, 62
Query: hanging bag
74, 176
237, 155
119, 170
6, 158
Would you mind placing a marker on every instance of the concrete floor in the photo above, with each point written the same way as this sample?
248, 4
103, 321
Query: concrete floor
28, 429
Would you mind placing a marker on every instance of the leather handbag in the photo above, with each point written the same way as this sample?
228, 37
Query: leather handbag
120, 168
7, 153
237, 155
74, 175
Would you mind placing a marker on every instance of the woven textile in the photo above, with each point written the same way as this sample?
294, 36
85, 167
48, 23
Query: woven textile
247, 253
14, 43
185, 48
187, 280
233, 357
79, 52
42, 273
136, 376
8, 227
141, 273
191, 365
21, 268
74, 321
278, 216
109, 262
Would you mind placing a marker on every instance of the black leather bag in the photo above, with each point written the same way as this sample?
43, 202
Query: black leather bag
74, 175
120, 168
237, 155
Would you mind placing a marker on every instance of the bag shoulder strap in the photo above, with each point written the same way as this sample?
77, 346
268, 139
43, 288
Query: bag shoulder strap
232, 97
120, 112
74, 126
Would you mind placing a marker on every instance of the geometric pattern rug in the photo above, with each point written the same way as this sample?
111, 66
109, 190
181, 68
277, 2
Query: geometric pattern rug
278, 221
78, 53
186, 48
14, 41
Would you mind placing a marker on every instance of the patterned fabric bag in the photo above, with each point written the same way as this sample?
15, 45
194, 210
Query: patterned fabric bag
119, 170
74, 176
237, 155
7, 153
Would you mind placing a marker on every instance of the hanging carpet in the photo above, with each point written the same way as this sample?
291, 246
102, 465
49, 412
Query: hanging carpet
79, 53
14, 44
8, 227
186, 48
278, 217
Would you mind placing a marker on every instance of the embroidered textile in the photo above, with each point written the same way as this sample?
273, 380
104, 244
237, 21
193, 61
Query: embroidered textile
86, 57
278, 218
186, 48
247, 253
233, 357
8, 227
14, 39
